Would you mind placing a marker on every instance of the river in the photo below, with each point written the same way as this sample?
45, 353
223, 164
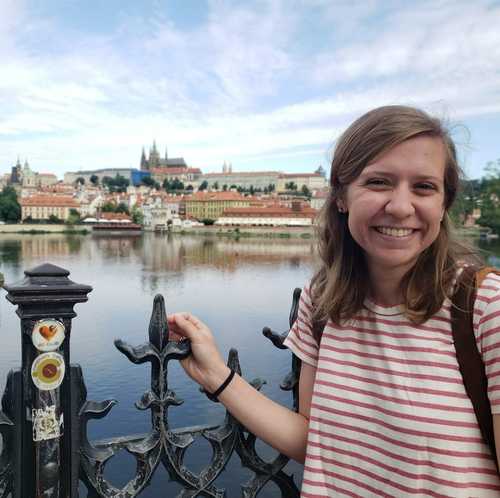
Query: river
236, 286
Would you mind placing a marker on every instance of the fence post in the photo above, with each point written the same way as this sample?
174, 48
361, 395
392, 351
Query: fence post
45, 465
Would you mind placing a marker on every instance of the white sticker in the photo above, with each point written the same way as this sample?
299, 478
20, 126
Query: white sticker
47, 371
48, 334
45, 423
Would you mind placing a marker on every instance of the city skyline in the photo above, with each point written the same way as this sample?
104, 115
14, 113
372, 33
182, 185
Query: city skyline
265, 85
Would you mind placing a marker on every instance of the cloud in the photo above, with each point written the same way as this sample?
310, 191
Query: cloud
264, 79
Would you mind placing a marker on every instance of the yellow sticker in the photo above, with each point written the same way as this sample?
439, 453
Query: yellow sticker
47, 371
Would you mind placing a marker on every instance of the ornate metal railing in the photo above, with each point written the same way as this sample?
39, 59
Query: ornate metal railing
45, 451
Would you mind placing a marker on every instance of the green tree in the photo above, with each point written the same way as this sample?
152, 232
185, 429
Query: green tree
215, 186
166, 185
291, 186
203, 185
117, 184
54, 219
466, 200
94, 179
148, 181
306, 192
74, 217
108, 207
10, 210
80, 180
489, 198
224, 187
122, 208
137, 216
176, 184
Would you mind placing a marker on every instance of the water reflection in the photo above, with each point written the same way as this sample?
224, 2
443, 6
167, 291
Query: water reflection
236, 286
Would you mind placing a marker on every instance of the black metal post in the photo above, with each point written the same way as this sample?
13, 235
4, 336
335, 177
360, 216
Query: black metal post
45, 299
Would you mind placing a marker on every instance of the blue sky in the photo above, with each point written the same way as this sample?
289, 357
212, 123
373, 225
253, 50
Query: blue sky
265, 85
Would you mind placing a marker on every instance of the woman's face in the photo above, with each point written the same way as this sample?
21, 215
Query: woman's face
395, 206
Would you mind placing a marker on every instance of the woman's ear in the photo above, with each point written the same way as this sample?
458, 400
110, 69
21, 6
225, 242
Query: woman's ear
341, 207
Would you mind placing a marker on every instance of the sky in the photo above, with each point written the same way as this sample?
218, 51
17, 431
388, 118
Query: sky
262, 84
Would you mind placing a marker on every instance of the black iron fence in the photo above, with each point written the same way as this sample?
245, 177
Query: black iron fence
44, 449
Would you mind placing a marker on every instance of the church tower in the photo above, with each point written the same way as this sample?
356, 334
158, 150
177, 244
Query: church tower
144, 162
154, 157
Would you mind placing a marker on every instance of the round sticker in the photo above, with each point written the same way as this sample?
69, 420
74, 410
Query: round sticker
47, 335
47, 371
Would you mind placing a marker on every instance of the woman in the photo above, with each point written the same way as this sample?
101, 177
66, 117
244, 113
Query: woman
383, 410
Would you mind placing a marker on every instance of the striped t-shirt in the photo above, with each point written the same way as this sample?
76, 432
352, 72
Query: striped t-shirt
389, 412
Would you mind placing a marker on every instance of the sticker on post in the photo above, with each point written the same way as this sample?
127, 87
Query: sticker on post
47, 371
48, 334
45, 423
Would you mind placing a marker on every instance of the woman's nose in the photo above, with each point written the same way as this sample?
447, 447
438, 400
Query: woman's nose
400, 203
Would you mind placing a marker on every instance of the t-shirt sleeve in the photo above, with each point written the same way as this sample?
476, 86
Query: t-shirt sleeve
487, 328
300, 338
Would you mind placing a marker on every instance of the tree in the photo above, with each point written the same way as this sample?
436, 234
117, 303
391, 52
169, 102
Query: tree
490, 197
291, 186
148, 181
137, 216
215, 186
122, 208
306, 192
108, 207
74, 217
224, 187
271, 187
54, 219
466, 200
117, 184
203, 185
10, 210
94, 179
189, 187
166, 185
176, 184
80, 180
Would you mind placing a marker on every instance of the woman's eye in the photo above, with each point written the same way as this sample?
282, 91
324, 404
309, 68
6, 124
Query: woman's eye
377, 182
426, 186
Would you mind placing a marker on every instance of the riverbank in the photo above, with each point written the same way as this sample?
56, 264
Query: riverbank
267, 232
30, 229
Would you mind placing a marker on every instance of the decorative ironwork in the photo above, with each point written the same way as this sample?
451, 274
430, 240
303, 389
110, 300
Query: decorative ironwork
161, 447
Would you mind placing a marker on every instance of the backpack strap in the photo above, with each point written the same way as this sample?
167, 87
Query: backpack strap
469, 359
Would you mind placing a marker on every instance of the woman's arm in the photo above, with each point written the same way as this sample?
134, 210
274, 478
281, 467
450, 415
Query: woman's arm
278, 426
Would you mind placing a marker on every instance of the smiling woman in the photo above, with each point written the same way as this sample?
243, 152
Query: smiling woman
383, 407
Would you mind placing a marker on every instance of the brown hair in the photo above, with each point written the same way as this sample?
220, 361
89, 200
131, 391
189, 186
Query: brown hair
339, 286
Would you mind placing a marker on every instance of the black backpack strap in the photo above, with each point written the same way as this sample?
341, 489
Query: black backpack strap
469, 359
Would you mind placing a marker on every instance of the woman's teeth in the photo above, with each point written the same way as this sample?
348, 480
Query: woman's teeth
395, 232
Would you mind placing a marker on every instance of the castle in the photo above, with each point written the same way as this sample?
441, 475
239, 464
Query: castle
155, 161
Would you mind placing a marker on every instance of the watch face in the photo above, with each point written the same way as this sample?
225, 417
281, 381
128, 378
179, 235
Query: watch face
47, 371
48, 334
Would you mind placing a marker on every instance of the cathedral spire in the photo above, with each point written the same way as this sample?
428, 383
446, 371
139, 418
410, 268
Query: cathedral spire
144, 162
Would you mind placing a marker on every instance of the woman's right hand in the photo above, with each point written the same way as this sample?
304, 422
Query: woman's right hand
205, 364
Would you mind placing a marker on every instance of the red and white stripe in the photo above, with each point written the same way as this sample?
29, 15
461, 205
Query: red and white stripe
389, 412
